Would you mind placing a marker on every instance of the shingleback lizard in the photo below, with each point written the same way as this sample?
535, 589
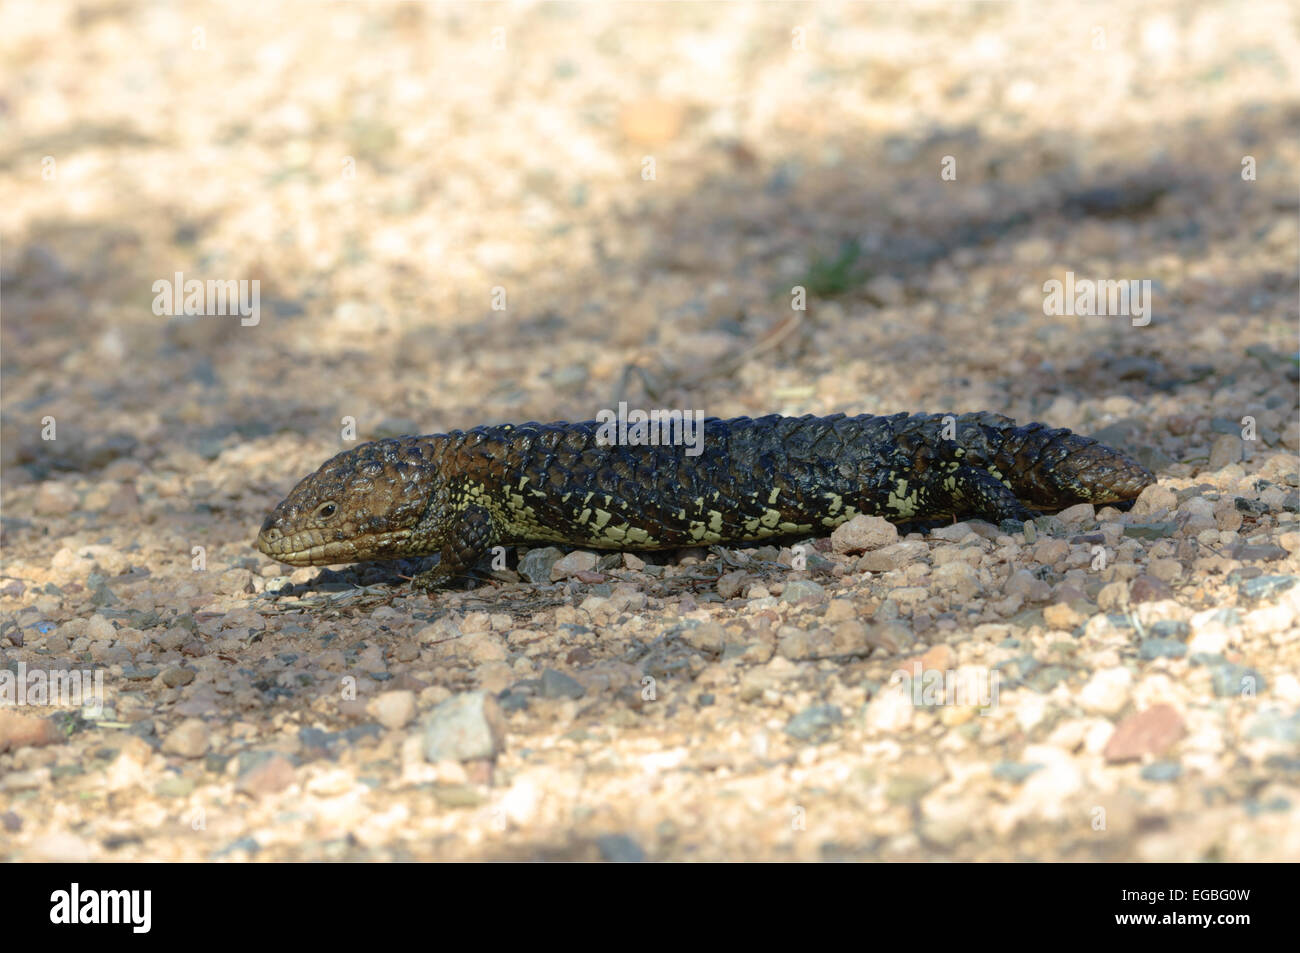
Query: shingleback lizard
460, 493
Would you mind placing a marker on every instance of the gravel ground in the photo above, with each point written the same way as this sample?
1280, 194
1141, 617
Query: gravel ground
643, 185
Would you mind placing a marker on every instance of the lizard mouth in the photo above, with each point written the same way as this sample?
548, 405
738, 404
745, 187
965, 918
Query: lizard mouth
309, 547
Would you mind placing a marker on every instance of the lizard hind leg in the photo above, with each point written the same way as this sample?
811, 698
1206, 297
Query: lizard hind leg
976, 492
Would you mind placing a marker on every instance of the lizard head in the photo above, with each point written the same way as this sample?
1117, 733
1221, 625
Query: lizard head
364, 503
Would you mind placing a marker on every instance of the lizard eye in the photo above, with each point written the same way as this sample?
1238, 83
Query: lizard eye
326, 510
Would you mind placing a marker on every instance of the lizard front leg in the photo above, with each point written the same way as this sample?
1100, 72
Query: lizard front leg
471, 534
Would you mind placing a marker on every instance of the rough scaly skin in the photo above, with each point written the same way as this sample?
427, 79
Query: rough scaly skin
458, 494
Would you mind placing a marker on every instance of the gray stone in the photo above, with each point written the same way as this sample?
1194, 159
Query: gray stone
558, 685
814, 721
1263, 552
732, 584
1169, 629
177, 675
1162, 648
465, 727
1162, 771
1014, 771
1150, 530
1225, 450
535, 565
620, 849
801, 590
578, 561
704, 636
1263, 586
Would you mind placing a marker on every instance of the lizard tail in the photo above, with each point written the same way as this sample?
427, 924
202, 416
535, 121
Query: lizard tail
1054, 468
